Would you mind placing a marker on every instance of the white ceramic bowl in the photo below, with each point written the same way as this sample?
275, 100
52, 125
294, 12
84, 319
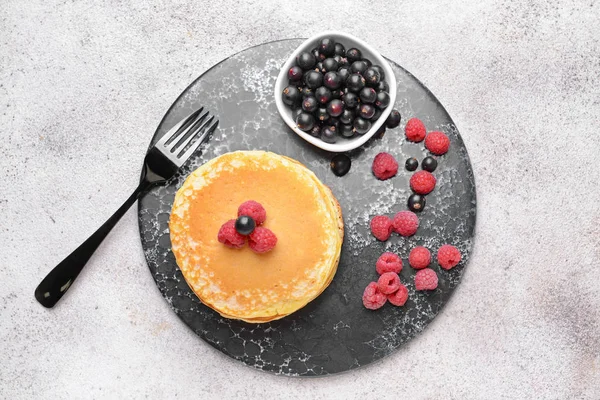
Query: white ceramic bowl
348, 41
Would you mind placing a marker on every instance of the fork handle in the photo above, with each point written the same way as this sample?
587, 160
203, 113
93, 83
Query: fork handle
60, 279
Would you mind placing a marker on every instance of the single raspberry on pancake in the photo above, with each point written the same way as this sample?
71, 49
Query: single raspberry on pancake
229, 236
262, 240
388, 283
406, 223
415, 130
426, 279
372, 297
437, 142
388, 262
419, 257
384, 166
254, 210
422, 182
448, 256
381, 227
399, 297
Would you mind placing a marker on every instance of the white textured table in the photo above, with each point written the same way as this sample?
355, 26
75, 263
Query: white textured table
83, 86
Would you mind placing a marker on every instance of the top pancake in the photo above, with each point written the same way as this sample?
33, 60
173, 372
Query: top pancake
239, 283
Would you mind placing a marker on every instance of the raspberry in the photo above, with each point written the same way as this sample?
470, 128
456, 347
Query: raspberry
388, 262
384, 166
426, 279
388, 283
448, 256
229, 236
437, 143
406, 223
372, 297
422, 182
419, 257
399, 297
254, 210
262, 240
381, 227
415, 130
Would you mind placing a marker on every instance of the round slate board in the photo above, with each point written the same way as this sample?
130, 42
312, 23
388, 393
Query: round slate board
334, 333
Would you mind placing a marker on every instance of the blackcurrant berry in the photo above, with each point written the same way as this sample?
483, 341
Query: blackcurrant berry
359, 67
305, 121
335, 108
332, 80
350, 100
330, 64
416, 202
306, 60
353, 54
380, 70
411, 164
290, 95
245, 225
361, 125
323, 95
355, 83
346, 130
313, 79
382, 100
368, 95
310, 104
329, 134
429, 164
327, 47
393, 120
366, 111
295, 73
347, 117
340, 164
371, 76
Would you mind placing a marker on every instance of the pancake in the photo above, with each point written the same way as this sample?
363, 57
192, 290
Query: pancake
239, 283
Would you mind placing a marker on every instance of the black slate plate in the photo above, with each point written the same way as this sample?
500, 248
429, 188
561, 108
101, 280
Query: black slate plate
334, 333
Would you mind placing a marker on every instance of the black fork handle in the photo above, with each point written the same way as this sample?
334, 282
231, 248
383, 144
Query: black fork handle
60, 279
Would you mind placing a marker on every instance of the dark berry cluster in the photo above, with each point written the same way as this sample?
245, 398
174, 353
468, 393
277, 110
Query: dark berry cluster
416, 201
334, 92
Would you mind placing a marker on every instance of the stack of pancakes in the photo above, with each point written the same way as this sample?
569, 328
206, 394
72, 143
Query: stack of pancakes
239, 283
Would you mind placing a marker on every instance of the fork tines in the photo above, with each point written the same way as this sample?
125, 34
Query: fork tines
178, 143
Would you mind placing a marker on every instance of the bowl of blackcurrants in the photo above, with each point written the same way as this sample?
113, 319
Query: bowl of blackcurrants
335, 91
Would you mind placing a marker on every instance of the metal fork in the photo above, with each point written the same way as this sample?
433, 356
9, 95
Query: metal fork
162, 161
